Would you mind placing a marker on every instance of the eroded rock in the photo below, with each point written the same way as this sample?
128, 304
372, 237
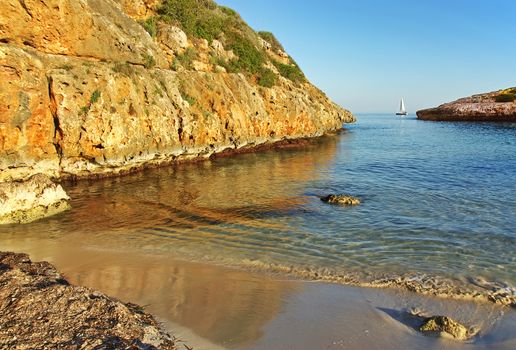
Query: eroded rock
173, 38
341, 199
87, 92
40, 309
96, 29
30, 200
446, 327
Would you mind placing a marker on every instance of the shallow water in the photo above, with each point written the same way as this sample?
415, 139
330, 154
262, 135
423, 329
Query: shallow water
438, 199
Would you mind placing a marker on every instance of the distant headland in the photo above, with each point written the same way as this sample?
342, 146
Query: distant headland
499, 106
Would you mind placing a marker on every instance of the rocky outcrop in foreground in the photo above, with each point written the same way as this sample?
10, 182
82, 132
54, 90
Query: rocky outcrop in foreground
35, 198
41, 310
498, 106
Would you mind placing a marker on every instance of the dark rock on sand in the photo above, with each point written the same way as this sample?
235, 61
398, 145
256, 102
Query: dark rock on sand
499, 106
446, 325
341, 199
443, 326
40, 309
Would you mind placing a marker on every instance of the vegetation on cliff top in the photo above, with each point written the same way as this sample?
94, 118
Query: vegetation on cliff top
271, 39
204, 19
507, 95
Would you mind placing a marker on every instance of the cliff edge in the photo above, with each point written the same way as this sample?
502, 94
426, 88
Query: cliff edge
498, 106
102, 87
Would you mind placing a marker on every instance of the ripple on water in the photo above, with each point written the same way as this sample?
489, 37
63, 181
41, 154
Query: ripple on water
438, 213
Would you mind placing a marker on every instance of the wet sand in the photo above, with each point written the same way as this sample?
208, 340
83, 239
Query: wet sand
213, 307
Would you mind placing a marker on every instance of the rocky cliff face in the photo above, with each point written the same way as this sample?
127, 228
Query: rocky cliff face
493, 106
85, 91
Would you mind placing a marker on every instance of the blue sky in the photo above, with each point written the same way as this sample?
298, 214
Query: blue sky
366, 54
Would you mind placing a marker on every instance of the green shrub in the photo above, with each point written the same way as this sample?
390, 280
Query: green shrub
191, 101
266, 78
250, 59
290, 71
94, 96
271, 39
151, 26
195, 17
209, 28
123, 68
505, 97
185, 59
174, 65
228, 11
84, 110
204, 19
148, 61
179, 12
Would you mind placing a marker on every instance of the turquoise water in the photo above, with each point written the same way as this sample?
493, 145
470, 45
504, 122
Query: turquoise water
438, 199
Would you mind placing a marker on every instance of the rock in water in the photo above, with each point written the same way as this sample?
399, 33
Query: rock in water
444, 326
30, 200
341, 199
41, 310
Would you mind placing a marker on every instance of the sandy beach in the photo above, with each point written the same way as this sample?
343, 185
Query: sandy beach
214, 307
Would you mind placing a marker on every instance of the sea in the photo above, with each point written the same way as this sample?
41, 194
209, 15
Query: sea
438, 209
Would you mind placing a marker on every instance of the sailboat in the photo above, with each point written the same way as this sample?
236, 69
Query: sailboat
402, 110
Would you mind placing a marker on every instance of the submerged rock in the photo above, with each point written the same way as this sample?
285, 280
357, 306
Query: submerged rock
40, 309
341, 199
446, 326
30, 200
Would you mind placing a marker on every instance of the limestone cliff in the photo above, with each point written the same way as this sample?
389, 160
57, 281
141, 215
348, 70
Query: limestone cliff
101, 87
32, 199
497, 106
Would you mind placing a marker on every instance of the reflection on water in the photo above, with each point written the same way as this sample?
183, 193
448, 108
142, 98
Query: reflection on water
227, 307
230, 205
438, 200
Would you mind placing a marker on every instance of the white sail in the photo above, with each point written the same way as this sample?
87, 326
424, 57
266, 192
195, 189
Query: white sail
402, 107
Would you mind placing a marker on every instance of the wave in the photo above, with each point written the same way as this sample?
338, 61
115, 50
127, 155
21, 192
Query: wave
475, 289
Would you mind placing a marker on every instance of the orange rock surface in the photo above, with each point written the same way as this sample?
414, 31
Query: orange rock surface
86, 91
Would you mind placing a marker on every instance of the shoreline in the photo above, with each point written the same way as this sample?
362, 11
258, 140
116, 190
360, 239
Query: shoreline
276, 312
185, 159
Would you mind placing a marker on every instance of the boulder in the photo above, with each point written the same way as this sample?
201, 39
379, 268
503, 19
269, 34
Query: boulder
447, 327
30, 200
172, 38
